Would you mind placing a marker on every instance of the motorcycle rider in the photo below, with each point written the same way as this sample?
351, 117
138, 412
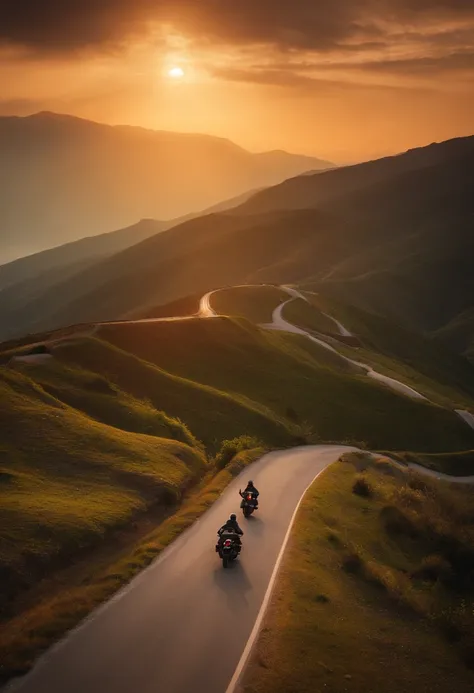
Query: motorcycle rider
232, 530
250, 489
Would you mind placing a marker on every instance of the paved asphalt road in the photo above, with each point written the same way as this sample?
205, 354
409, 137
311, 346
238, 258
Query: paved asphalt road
182, 625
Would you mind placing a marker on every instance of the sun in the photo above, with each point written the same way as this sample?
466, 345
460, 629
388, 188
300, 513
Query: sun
176, 73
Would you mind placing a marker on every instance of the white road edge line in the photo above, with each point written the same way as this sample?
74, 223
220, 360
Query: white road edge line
231, 688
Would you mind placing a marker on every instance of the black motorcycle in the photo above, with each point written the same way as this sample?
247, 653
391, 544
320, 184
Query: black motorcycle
228, 549
249, 503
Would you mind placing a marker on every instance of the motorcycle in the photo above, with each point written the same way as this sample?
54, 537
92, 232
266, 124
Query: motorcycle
228, 549
248, 504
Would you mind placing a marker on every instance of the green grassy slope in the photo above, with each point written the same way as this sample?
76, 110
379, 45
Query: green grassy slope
123, 421
276, 372
377, 597
308, 316
400, 352
453, 463
256, 303
67, 478
212, 415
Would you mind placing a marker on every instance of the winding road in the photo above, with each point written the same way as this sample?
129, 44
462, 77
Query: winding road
185, 625
279, 323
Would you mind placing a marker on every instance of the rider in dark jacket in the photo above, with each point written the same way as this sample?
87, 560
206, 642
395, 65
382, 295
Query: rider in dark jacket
231, 527
250, 489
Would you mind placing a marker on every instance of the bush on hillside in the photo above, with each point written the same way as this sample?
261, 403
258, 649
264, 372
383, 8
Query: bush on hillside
352, 563
361, 487
230, 448
304, 433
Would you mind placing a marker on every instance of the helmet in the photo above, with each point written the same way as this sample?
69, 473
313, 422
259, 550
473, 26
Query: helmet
250, 483
233, 517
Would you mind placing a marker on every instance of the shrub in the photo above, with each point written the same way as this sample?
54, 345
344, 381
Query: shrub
352, 563
230, 448
303, 433
322, 599
362, 487
417, 483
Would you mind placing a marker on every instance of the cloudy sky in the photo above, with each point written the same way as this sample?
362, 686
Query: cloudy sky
343, 79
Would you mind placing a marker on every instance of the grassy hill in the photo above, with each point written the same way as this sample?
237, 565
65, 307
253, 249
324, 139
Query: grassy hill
77, 461
256, 303
26, 281
392, 349
376, 598
118, 424
310, 315
311, 190
398, 244
278, 372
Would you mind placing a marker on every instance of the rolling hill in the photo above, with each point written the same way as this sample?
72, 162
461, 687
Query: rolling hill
308, 191
25, 280
63, 178
107, 433
393, 247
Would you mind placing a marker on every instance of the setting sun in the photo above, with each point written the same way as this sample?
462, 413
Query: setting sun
176, 73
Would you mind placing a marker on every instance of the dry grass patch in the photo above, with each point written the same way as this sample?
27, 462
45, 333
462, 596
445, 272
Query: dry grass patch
395, 570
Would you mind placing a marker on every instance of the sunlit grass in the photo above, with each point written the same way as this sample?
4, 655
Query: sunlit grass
371, 596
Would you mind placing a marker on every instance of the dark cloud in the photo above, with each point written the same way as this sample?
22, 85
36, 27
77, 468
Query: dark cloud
69, 25
62, 25
352, 34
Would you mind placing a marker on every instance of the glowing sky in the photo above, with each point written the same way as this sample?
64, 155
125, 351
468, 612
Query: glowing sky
345, 80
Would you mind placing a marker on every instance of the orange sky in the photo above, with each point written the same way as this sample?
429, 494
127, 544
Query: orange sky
343, 80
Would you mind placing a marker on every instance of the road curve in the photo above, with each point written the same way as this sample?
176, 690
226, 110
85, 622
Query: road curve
279, 323
183, 624
205, 308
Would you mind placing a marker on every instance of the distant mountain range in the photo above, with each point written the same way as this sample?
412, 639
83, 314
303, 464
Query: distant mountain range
63, 178
49, 266
393, 236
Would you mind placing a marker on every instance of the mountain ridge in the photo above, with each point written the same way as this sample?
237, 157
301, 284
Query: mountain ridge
378, 244
63, 178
